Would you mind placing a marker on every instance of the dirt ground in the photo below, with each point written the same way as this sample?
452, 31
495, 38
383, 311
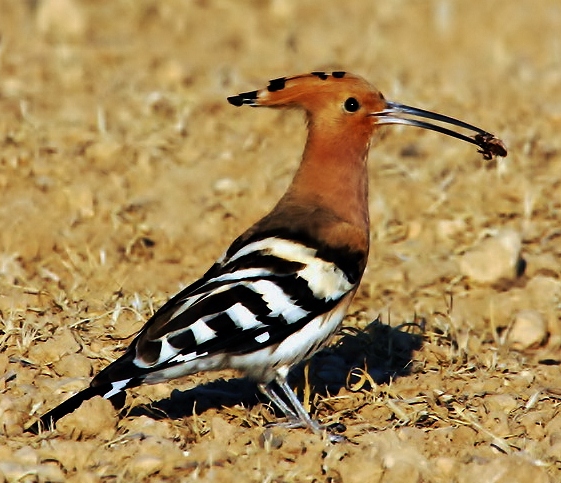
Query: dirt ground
124, 174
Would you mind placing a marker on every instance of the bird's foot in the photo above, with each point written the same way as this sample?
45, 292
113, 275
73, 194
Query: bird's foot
333, 431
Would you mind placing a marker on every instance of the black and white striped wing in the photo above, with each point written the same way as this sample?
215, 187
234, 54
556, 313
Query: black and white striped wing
254, 298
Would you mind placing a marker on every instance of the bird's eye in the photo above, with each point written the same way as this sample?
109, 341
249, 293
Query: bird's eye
351, 105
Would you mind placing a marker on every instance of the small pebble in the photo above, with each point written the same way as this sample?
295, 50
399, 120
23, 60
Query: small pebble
493, 259
528, 330
145, 465
26, 455
52, 350
11, 416
269, 440
446, 466
446, 229
504, 403
11, 471
226, 187
502, 469
73, 365
94, 418
61, 19
81, 200
50, 472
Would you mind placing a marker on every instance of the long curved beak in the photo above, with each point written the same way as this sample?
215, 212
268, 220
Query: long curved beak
489, 144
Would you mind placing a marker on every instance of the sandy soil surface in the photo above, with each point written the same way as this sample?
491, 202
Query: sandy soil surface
124, 173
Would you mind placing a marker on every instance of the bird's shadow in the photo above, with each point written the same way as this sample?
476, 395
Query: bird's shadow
379, 352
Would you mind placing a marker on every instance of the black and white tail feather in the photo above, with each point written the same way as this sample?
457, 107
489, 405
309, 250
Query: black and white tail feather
272, 300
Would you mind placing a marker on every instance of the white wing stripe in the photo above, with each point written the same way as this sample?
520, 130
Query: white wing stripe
202, 331
167, 351
227, 277
262, 338
289, 250
326, 280
187, 357
241, 274
116, 388
243, 317
278, 301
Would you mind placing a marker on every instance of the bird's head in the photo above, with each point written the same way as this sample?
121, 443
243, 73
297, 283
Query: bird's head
349, 105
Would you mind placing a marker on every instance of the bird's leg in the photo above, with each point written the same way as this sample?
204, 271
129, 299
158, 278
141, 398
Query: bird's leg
301, 414
278, 402
303, 418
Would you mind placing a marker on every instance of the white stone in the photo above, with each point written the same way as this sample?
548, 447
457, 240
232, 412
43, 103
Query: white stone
528, 330
494, 258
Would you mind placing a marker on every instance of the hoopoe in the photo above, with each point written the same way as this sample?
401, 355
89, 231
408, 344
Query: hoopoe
282, 289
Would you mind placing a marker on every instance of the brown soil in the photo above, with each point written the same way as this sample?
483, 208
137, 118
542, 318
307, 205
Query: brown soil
124, 173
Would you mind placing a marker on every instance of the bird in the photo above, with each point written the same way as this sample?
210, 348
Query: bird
281, 290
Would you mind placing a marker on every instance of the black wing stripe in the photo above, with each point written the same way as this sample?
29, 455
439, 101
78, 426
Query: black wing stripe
283, 306
299, 290
261, 259
223, 280
184, 338
217, 302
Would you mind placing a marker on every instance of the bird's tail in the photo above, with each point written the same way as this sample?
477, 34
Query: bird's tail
112, 391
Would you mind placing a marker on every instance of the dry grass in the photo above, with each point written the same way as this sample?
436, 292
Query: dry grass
124, 174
